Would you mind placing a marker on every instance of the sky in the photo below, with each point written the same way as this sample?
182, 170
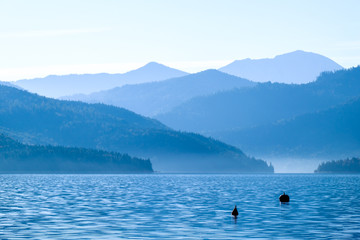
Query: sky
39, 38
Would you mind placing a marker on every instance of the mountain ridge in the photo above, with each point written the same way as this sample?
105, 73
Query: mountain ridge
153, 98
60, 85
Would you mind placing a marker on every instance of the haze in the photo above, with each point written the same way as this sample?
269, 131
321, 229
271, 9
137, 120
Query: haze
41, 38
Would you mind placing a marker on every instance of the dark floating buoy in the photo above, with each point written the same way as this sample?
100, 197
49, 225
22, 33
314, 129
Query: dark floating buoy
284, 198
235, 212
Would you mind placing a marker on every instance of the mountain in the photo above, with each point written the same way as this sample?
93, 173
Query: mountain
154, 98
330, 133
340, 166
33, 119
9, 84
294, 67
57, 86
263, 104
20, 158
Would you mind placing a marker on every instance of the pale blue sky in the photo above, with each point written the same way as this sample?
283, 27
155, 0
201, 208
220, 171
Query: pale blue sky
38, 38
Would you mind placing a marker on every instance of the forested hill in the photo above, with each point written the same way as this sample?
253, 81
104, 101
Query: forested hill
350, 165
16, 157
265, 103
38, 120
334, 132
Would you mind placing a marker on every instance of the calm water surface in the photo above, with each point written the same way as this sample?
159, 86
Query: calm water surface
179, 206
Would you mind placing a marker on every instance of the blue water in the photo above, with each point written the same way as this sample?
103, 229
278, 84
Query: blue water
179, 206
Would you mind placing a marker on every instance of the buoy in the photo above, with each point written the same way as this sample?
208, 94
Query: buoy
284, 198
235, 212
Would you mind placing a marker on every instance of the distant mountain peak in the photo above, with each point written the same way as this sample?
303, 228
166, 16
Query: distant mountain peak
157, 66
294, 67
158, 69
300, 53
211, 70
154, 64
211, 73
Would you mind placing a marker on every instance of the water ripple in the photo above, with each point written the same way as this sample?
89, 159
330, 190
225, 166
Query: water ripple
179, 206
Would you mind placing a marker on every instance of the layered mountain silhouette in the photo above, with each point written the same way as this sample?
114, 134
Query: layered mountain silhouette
33, 119
57, 86
266, 118
263, 104
154, 98
294, 67
16, 157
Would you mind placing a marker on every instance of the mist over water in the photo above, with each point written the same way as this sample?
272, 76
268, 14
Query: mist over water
293, 164
175, 206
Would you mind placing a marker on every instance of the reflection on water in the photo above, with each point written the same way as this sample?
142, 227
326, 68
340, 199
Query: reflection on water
179, 206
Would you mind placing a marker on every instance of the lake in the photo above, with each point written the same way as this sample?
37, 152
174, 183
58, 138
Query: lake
179, 206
